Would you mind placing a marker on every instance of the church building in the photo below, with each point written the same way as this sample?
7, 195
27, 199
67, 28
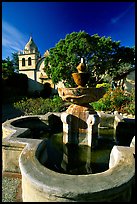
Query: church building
32, 64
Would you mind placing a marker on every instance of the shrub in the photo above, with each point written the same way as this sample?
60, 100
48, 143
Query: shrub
113, 100
119, 98
116, 100
130, 109
36, 106
105, 85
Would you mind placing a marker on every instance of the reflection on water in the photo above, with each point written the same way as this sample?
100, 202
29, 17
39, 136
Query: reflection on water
77, 159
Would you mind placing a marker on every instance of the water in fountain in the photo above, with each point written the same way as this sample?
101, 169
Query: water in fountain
77, 159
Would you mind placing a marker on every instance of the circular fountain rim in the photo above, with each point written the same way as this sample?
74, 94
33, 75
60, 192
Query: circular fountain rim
64, 185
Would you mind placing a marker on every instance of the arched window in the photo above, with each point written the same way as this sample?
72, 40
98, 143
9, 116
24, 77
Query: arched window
29, 61
23, 61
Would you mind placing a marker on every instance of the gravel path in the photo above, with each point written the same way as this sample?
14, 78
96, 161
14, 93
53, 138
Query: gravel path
11, 188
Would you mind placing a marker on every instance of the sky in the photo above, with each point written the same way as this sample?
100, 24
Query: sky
48, 22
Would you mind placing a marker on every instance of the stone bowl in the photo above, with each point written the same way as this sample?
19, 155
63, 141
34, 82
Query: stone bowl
81, 95
81, 79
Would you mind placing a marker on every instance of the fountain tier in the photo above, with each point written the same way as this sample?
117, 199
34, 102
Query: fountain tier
81, 95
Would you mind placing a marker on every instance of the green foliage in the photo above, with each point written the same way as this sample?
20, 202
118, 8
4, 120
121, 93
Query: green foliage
15, 61
10, 66
121, 70
7, 68
103, 58
125, 55
65, 57
130, 108
105, 85
116, 100
113, 100
31, 106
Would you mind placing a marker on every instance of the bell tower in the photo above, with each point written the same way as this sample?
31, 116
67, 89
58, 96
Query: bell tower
29, 56
28, 59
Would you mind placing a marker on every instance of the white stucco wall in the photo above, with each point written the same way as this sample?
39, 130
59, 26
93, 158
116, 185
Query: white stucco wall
26, 56
35, 83
130, 81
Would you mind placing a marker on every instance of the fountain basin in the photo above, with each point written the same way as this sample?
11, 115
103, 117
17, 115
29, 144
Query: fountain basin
81, 95
16, 134
40, 184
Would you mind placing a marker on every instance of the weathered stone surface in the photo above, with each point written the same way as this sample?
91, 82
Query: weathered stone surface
10, 157
81, 95
16, 135
106, 120
80, 125
81, 78
124, 130
44, 185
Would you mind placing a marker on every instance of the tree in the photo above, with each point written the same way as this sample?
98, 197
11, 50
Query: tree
65, 56
15, 61
123, 61
123, 64
7, 68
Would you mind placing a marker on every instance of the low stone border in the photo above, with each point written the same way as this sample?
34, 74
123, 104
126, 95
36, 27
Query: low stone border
40, 184
15, 139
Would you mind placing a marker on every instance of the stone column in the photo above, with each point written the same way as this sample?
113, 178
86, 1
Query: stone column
70, 132
80, 126
92, 135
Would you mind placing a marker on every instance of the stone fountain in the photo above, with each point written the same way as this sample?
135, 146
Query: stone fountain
28, 155
80, 121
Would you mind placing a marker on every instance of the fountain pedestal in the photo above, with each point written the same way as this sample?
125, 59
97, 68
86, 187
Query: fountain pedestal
80, 125
80, 121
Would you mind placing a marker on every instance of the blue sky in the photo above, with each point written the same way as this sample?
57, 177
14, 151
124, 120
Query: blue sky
48, 22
